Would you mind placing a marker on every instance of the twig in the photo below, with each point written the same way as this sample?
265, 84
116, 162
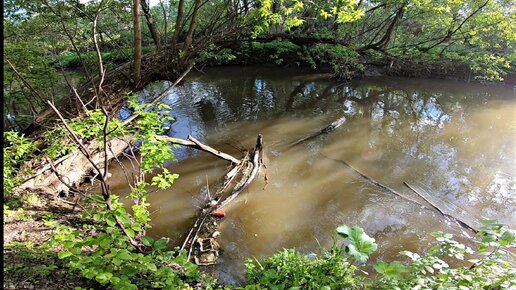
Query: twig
26, 83
99, 55
162, 95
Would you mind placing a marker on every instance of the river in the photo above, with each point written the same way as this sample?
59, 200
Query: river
454, 142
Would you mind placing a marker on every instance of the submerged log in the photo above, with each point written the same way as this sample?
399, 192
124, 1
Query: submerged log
334, 125
433, 207
454, 218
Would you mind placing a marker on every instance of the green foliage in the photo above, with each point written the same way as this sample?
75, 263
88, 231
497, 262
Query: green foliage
290, 269
332, 269
165, 179
88, 128
30, 263
431, 271
151, 124
111, 57
276, 51
119, 255
360, 244
343, 60
109, 259
17, 150
216, 55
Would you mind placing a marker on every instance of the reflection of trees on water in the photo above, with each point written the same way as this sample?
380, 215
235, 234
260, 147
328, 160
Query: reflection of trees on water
441, 147
427, 136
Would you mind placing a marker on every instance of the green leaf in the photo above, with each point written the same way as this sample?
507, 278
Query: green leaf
147, 241
124, 255
62, 255
130, 232
392, 270
507, 238
161, 244
152, 267
103, 278
110, 220
361, 245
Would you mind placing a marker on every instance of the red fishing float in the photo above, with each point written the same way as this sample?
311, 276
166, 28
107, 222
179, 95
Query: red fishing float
218, 213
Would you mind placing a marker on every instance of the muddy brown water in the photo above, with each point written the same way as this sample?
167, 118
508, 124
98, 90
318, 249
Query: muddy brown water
453, 141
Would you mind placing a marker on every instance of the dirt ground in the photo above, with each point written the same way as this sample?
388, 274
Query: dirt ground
25, 265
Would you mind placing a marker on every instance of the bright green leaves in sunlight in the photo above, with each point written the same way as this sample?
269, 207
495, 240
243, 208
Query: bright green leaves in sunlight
152, 121
343, 11
17, 149
164, 180
361, 245
392, 270
156, 245
289, 14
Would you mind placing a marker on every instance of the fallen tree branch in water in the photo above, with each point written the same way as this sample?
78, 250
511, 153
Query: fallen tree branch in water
459, 221
201, 240
374, 182
334, 125
192, 142
388, 189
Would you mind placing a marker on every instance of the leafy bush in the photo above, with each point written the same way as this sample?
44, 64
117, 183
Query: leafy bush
292, 269
17, 149
492, 271
343, 60
276, 50
332, 269
335, 268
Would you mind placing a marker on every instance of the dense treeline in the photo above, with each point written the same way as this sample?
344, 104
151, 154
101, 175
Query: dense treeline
42, 39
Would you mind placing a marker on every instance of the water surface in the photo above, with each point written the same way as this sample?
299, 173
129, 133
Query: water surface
455, 142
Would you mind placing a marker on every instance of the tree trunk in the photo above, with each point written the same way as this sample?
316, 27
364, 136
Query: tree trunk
137, 44
179, 19
193, 23
150, 23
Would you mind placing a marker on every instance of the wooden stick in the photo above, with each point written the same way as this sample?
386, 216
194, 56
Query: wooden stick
334, 125
213, 151
456, 219
161, 96
420, 195
192, 142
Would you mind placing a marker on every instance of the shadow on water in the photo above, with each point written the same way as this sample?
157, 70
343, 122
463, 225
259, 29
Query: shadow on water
455, 142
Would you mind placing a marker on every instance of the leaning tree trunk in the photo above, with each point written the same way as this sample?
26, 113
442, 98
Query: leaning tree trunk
150, 23
179, 19
137, 61
189, 35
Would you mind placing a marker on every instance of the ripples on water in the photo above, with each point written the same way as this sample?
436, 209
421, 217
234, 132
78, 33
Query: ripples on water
453, 141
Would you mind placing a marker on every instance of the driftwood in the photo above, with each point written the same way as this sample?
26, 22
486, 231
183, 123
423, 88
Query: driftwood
201, 241
192, 142
334, 125
374, 182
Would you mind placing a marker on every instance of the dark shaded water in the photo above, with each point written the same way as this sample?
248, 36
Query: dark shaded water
455, 142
